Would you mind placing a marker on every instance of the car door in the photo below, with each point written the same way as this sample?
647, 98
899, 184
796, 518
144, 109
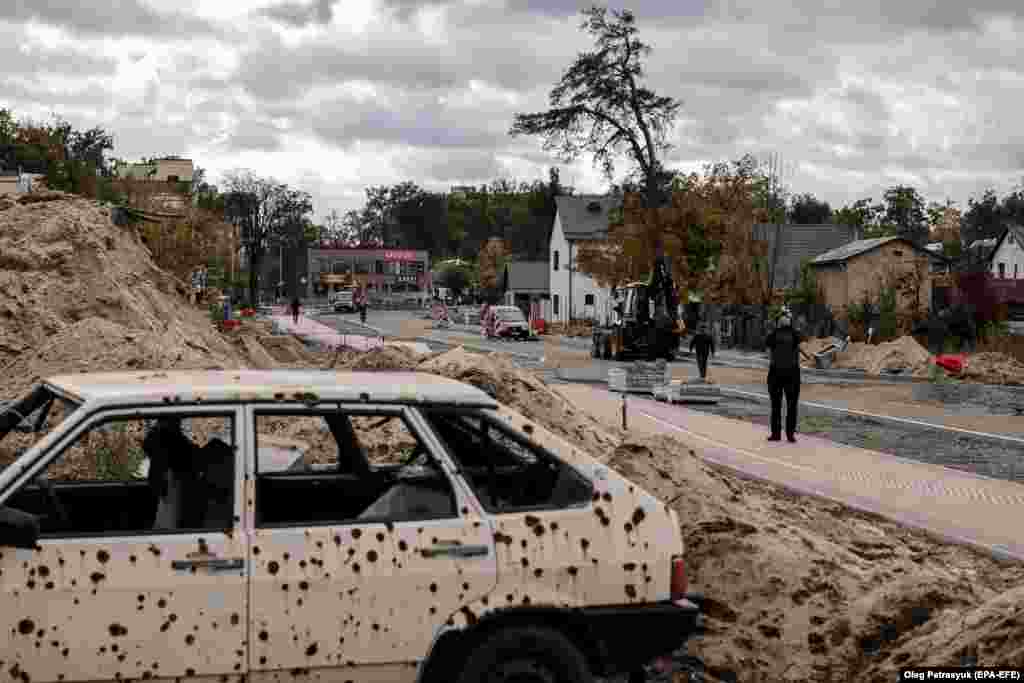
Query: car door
362, 596
128, 604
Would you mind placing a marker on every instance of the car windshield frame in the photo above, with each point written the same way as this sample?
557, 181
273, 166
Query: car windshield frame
28, 414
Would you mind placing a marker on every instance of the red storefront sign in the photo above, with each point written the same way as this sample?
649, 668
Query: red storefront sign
399, 255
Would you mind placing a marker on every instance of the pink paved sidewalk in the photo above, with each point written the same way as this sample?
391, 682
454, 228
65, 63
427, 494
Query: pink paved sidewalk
956, 505
327, 336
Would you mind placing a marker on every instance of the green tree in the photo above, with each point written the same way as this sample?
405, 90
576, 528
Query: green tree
8, 127
600, 106
863, 215
806, 209
455, 278
983, 218
905, 210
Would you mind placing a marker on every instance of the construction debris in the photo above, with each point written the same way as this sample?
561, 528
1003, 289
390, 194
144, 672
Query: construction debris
639, 377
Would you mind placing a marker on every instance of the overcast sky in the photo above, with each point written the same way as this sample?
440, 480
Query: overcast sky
334, 96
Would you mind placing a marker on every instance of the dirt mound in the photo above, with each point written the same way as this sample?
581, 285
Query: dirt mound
97, 344
803, 589
379, 358
994, 368
67, 273
496, 375
903, 354
988, 634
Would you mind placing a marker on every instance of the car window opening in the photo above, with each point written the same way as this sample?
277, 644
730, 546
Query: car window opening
506, 471
347, 467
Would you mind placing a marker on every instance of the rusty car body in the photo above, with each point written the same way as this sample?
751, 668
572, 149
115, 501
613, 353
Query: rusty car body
549, 546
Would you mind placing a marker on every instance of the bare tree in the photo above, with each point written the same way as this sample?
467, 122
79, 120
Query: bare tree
267, 211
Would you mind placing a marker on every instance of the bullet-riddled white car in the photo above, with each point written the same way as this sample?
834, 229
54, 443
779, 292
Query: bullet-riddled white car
148, 530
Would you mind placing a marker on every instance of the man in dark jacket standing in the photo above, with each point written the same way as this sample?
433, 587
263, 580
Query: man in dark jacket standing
705, 344
784, 377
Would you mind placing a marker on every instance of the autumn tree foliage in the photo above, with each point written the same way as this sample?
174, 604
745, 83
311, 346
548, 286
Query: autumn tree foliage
493, 257
706, 231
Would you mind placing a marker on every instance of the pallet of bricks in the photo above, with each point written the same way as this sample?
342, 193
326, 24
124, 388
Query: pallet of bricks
638, 377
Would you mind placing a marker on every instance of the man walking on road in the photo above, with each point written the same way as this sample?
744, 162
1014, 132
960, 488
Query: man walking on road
783, 345
361, 305
705, 344
296, 307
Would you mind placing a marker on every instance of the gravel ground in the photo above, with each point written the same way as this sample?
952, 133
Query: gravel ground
991, 458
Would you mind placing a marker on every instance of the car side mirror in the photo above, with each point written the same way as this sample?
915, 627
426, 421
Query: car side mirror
18, 529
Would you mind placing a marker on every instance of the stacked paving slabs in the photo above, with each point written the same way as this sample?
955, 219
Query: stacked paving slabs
694, 390
638, 377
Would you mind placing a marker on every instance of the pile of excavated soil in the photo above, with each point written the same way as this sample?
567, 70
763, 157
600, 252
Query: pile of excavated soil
802, 589
903, 354
523, 391
994, 368
78, 293
379, 358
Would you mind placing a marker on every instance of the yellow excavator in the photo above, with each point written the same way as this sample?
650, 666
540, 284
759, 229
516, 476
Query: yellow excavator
648, 324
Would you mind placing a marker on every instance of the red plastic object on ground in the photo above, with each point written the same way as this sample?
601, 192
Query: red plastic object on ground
538, 325
952, 363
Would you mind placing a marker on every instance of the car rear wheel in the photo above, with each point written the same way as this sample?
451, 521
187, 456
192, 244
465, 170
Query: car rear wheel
526, 655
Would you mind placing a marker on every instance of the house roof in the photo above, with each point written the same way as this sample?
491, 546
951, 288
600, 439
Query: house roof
529, 276
858, 247
1018, 234
579, 222
263, 385
797, 243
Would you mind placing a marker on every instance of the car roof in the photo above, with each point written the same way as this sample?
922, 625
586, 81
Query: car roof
257, 385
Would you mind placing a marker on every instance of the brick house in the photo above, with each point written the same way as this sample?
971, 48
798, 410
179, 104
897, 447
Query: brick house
849, 272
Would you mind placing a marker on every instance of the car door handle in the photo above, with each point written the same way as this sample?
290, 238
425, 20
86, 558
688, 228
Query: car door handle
456, 549
213, 563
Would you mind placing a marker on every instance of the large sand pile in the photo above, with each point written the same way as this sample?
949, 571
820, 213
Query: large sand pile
906, 355
994, 368
903, 354
806, 590
78, 293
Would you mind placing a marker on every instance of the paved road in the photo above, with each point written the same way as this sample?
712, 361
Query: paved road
959, 506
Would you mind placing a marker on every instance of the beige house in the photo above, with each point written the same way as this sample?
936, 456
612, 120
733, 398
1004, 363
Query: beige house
862, 267
166, 170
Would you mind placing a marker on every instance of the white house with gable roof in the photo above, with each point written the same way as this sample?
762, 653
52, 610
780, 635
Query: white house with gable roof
575, 294
1007, 260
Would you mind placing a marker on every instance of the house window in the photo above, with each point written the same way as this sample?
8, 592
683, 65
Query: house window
555, 302
1002, 271
556, 261
588, 300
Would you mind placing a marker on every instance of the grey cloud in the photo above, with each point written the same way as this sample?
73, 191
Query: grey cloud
451, 166
254, 135
275, 74
19, 97
415, 121
302, 13
123, 18
40, 61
